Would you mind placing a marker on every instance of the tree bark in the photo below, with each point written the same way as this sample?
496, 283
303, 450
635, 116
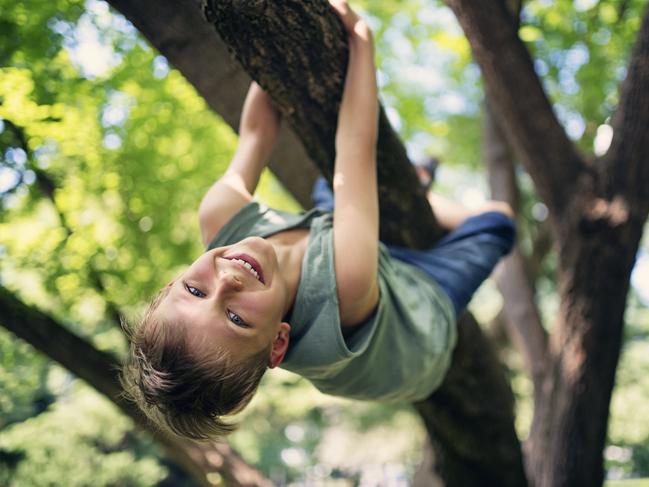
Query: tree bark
470, 417
597, 211
569, 428
100, 370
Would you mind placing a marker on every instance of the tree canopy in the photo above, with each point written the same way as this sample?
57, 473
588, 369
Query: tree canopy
106, 151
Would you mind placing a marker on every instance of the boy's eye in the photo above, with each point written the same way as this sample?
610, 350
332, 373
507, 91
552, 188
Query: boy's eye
194, 291
236, 319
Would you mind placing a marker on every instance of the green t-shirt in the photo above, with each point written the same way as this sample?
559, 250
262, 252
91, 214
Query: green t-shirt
403, 350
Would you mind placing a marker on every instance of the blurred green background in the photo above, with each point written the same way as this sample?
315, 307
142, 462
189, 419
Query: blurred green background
105, 152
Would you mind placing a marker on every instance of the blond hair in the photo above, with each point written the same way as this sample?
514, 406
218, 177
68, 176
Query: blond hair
184, 391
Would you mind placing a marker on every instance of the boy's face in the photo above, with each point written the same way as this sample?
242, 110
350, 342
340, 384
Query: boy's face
222, 301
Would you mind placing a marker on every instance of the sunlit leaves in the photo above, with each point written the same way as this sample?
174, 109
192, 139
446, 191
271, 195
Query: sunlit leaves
425, 75
131, 149
80, 441
129, 155
529, 33
583, 50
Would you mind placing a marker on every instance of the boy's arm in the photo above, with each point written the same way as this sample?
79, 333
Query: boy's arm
257, 134
356, 214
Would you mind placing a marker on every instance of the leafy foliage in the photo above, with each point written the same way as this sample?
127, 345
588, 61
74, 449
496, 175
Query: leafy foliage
82, 440
102, 166
100, 181
581, 52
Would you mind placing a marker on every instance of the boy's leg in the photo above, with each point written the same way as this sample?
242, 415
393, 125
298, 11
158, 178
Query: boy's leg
464, 258
450, 214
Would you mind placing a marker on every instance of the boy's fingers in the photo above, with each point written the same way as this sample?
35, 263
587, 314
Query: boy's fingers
344, 11
339, 6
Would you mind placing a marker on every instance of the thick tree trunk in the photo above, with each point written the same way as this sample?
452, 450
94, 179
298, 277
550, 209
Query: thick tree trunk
99, 369
470, 417
598, 211
569, 429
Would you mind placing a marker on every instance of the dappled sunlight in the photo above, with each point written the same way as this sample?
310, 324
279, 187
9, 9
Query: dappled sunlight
105, 153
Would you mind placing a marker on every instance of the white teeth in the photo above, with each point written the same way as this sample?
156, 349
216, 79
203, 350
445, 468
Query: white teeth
245, 264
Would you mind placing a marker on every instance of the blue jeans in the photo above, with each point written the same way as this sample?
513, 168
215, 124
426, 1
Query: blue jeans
465, 257
461, 260
321, 195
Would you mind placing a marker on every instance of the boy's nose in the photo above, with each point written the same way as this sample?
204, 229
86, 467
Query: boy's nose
228, 282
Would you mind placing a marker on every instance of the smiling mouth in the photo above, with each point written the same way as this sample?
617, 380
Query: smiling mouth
250, 264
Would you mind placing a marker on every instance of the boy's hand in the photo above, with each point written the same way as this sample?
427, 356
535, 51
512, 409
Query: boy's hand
353, 23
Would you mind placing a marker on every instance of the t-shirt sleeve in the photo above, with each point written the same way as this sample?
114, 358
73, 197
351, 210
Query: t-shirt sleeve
318, 347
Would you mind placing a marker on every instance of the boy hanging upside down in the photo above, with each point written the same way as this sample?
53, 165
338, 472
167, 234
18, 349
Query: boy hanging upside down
316, 293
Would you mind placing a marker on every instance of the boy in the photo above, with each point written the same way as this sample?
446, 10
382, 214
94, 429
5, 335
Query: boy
316, 292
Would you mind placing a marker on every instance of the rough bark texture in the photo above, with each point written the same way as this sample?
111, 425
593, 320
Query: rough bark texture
100, 370
470, 417
597, 211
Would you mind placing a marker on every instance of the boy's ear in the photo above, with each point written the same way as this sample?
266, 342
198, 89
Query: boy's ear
280, 346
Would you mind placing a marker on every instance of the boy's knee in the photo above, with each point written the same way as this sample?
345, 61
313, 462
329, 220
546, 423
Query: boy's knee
499, 227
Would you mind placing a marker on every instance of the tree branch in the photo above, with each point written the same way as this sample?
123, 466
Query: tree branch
522, 316
100, 370
523, 107
47, 187
625, 165
469, 417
